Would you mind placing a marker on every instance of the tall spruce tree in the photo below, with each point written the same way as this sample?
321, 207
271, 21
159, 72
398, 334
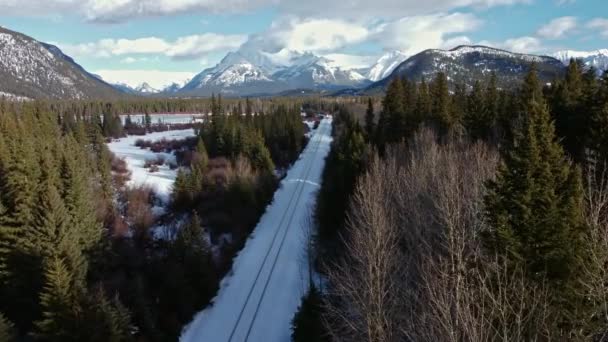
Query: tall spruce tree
59, 302
370, 118
535, 209
7, 329
394, 111
440, 103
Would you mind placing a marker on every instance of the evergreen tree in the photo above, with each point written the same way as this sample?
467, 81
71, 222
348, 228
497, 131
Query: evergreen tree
369, 118
78, 196
476, 121
598, 127
248, 109
109, 319
423, 103
535, 208
192, 250
569, 112
307, 323
440, 103
198, 166
60, 307
394, 111
491, 104
7, 330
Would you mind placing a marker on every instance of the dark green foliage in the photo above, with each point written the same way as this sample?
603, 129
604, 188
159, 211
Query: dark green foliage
393, 122
370, 120
598, 122
307, 324
440, 103
475, 119
535, 212
48, 219
59, 303
7, 330
344, 164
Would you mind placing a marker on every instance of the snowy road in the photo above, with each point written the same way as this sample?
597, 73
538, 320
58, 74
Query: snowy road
258, 299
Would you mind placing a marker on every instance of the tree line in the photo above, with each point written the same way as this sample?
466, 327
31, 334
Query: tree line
479, 214
80, 259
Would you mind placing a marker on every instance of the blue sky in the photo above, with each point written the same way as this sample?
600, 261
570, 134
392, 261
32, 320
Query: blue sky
170, 40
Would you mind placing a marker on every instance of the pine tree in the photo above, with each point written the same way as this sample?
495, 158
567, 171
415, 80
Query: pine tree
598, 123
440, 103
198, 166
78, 196
534, 208
60, 307
475, 119
307, 324
109, 319
570, 114
423, 103
369, 118
192, 250
395, 111
491, 104
248, 109
7, 330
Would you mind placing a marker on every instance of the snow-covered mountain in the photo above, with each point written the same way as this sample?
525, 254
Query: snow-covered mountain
385, 65
145, 89
468, 64
250, 71
32, 69
597, 59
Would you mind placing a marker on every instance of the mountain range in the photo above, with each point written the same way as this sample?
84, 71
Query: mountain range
33, 69
467, 64
597, 59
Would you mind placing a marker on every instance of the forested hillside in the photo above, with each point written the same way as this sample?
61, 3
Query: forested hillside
477, 215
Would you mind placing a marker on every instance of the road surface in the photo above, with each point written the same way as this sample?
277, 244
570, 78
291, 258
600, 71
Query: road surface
257, 300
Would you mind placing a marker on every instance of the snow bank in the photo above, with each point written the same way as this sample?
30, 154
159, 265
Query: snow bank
162, 180
258, 299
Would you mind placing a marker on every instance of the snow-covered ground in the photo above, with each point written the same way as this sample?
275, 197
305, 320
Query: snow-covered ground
258, 299
162, 180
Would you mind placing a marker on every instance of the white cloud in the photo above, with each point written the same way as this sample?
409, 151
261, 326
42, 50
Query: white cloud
557, 28
112, 11
414, 34
347, 61
524, 44
189, 47
315, 35
600, 24
156, 78
198, 45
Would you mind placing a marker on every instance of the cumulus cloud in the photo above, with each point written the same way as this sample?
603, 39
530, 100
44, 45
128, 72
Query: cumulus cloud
414, 34
347, 61
316, 35
156, 78
112, 11
189, 47
600, 24
526, 44
557, 28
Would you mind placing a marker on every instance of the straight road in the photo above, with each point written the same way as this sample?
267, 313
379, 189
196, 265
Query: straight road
257, 300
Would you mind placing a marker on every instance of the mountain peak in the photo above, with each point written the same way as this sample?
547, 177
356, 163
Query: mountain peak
33, 69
